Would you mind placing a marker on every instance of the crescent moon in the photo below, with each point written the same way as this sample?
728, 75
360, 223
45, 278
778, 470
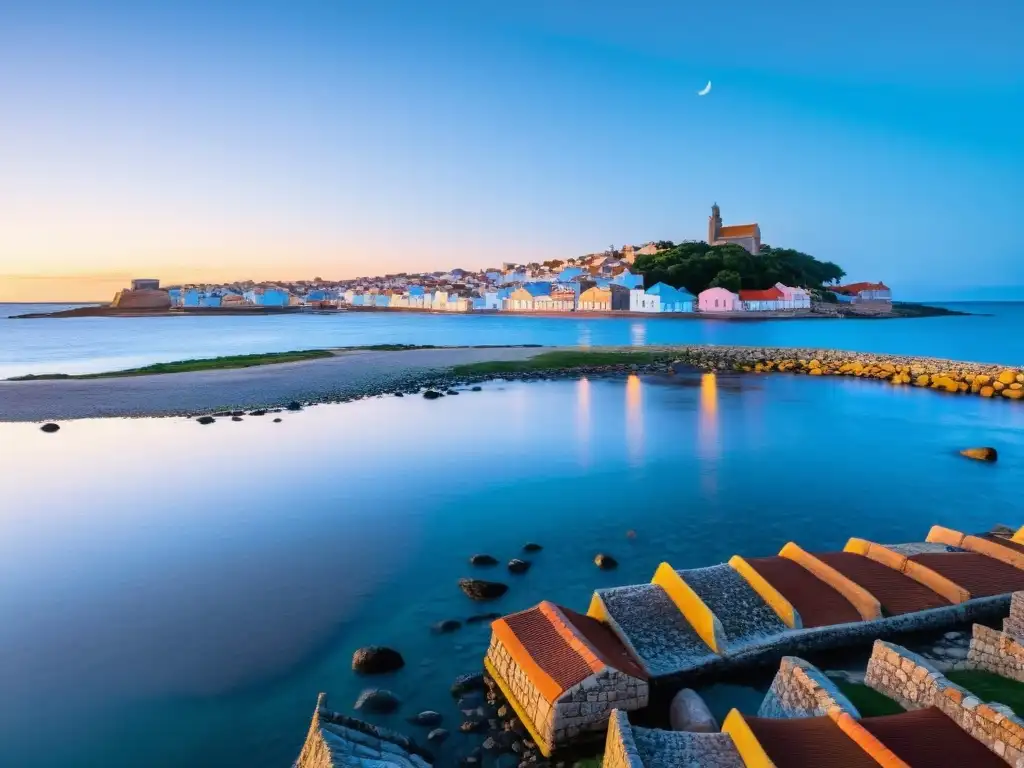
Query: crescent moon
706, 91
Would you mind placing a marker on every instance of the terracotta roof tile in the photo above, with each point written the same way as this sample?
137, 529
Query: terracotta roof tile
738, 230
769, 294
978, 574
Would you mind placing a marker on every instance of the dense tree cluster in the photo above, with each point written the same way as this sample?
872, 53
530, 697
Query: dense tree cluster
695, 265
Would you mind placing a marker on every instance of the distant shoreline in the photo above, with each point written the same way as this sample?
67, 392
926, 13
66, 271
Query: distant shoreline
901, 310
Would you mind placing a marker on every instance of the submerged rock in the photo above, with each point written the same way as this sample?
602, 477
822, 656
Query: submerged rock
437, 735
473, 726
606, 562
432, 394
428, 718
980, 454
206, 419
451, 392
258, 413
277, 421
688, 712
481, 617
377, 701
467, 683
446, 626
478, 589
236, 418
518, 566
531, 547
482, 560
476, 389
376, 660
50, 428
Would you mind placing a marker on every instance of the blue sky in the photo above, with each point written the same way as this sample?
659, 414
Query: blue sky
205, 140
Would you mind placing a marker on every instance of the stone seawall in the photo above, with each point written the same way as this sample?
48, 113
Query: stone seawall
996, 652
951, 376
801, 690
916, 684
1014, 624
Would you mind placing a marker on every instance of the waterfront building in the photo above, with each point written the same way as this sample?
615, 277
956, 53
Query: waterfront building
719, 300
768, 300
861, 292
794, 298
622, 276
672, 299
746, 236
604, 299
144, 294
642, 301
268, 297
570, 273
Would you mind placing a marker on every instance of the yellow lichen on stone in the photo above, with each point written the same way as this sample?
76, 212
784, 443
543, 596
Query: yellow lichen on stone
983, 378
1013, 394
1017, 385
998, 385
987, 392
961, 386
815, 372
1008, 377
923, 380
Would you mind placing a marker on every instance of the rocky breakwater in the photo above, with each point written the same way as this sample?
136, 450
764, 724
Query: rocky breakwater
948, 376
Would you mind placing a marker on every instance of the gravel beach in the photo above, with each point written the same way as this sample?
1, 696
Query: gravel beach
346, 375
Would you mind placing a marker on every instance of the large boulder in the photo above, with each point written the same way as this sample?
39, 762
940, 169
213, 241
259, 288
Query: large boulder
478, 589
688, 712
377, 701
980, 454
376, 660
515, 565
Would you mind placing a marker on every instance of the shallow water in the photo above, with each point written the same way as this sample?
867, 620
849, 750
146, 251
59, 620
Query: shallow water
184, 592
97, 344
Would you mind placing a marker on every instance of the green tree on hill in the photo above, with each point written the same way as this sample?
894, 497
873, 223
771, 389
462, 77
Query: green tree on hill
695, 265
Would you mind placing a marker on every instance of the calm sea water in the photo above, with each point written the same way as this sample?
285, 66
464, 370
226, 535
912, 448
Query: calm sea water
90, 345
182, 593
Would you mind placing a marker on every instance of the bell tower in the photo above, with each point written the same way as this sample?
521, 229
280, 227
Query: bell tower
714, 224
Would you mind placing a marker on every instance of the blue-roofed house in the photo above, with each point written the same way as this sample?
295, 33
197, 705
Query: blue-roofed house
176, 296
628, 279
268, 297
522, 299
570, 273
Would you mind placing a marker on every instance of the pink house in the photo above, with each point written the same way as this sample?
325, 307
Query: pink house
719, 300
794, 298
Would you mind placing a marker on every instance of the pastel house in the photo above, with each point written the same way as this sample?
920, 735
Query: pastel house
719, 300
768, 300
604, 298
794, 298
663, 298
642, 301
628, 279
857, 292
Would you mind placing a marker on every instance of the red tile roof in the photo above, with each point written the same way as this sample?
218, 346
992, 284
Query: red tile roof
769, 294
565, 646
858, 287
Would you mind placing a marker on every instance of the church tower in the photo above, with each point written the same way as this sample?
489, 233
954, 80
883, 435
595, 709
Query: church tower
714, 224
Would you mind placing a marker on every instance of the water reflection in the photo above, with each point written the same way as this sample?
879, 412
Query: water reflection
583, 420
634, 421
709, 447
638, 334
583, 339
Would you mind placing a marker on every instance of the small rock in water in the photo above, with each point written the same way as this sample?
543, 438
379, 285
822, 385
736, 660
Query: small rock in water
473, 726
206, 419
531, 547
482, 560
478, 589
980, 454
466, 683
399, 394
294, 405
258, 413
377, 701
476, 389
688, 712
428, 718
446, 626
437, 735
481, 617
376, 660
952, 636
518, 566
236, 418
606, 562
432, 394
630, 534
51, 427
451, 392
277, 421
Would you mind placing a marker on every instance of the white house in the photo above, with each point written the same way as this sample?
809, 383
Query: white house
642, 301
794, 298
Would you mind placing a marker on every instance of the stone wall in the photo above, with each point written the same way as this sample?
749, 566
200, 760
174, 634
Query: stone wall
619, 749
996, 652
1014, 624
801, 690
914, 683
582, 709
336, 740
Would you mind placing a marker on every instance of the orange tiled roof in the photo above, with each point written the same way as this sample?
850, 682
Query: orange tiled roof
738, 230
564, 647
769, 294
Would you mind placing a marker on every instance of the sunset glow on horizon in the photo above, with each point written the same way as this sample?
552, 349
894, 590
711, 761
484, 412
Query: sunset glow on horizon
200, 142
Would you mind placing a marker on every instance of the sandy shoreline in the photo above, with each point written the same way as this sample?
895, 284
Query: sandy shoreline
347, 374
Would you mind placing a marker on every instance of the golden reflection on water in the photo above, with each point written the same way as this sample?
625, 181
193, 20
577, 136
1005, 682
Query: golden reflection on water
634, 420
583, 340
707, 433
583, 420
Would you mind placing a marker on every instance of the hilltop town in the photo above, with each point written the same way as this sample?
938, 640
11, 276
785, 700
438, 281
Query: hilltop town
732, 273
